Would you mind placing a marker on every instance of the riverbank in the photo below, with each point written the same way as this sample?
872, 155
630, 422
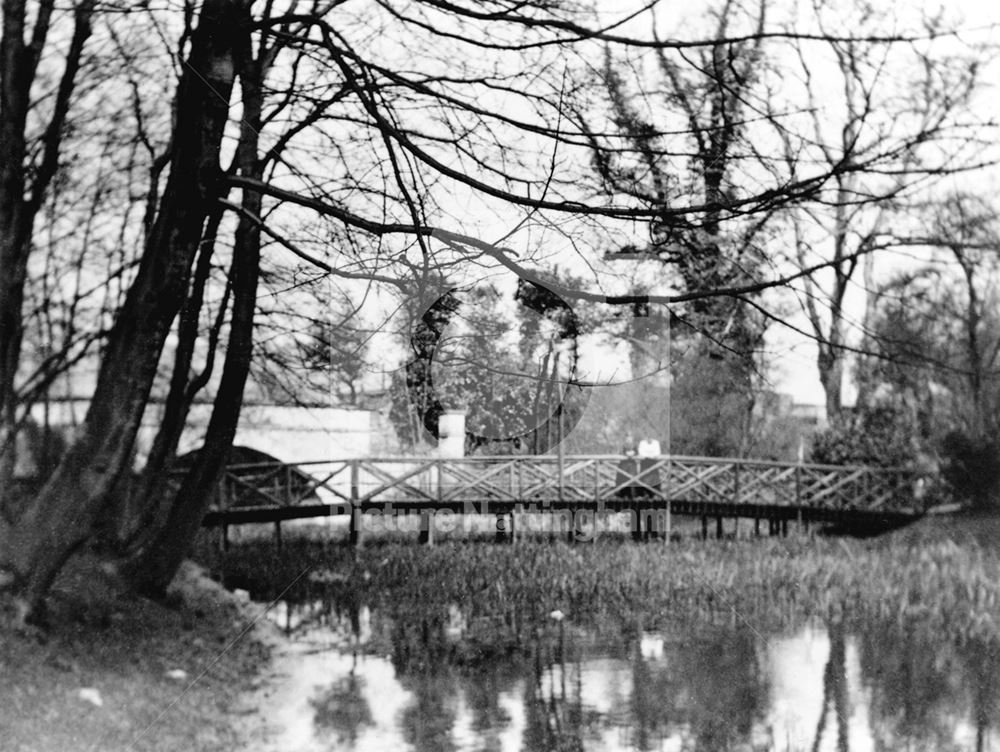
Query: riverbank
115, 672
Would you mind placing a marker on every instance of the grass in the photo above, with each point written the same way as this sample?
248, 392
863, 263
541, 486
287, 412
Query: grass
917, 580
123, 648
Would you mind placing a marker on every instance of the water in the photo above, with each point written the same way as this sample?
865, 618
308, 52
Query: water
352, 680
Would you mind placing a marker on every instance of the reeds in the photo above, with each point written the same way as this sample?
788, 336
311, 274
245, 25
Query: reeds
953, 591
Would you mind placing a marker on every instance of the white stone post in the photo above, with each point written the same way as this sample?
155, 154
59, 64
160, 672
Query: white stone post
451, 434
451, 445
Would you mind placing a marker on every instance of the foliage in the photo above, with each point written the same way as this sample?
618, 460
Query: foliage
936, 337
776, 432
921, 334
509, 363
712, 398
882, 435
971, 468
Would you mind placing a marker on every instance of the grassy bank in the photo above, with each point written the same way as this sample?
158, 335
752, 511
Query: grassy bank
106, 675
919, 580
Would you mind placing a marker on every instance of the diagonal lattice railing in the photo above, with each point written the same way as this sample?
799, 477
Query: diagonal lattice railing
571, 479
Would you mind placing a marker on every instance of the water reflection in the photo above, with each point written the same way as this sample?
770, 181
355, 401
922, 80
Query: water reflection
933, 699
425, 684
342, 709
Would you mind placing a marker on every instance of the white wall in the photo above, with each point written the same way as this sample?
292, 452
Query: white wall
291, 434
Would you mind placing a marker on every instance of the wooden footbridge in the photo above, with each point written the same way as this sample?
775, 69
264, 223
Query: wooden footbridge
578, 489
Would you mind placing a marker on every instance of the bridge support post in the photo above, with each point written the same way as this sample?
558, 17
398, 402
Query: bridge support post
597, 501
355, 537
756, 526
656, 522
426, 534
500, 535
718, 527
356, 518
704, 527
277, 534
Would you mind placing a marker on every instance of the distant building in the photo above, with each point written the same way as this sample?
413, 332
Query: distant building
288, 433
813, 416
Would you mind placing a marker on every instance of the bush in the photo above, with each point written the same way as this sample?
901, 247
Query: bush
972, 469
880, 436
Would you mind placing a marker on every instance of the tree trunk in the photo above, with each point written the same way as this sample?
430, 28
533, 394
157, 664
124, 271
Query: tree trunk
145, 507
155, 566
831, 375
62, 517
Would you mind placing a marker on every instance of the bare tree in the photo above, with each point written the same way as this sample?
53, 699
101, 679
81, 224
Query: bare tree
888, 122
935, 329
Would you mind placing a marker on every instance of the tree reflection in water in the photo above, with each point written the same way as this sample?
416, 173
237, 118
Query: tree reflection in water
342, 710
925, 691
699, 688
427, 722
708, 692
708, 689
836, 699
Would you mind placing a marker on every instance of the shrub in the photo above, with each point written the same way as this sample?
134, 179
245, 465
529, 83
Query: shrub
880, 435
972, 469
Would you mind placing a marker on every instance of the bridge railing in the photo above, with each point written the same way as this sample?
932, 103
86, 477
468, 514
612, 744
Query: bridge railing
577, 478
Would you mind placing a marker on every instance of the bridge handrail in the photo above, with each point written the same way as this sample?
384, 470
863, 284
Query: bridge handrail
361, 481
347, 461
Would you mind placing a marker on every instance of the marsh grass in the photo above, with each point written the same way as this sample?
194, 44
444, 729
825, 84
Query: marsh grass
510, 591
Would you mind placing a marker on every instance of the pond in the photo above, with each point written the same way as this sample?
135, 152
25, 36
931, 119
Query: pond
351, 678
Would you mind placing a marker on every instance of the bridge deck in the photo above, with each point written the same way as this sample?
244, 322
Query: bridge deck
505, 485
